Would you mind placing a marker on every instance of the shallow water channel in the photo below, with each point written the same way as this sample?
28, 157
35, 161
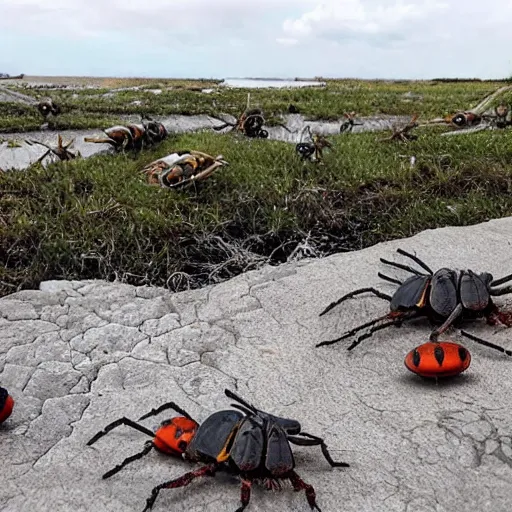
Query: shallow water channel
19, 158
263, 83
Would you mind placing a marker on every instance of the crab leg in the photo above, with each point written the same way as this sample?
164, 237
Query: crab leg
179, 482
447, 323
486, 343
353, 294
353, 331
390, 279
416, 259
403, 267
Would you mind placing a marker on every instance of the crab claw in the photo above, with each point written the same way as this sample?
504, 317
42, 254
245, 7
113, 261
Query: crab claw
220, 159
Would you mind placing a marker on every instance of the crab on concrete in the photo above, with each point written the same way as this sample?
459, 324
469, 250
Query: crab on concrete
61, 151
182, 169
250, 123
348, 124
132, 136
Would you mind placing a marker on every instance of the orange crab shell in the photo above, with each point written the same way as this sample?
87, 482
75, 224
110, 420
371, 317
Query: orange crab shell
438, 359
174, 435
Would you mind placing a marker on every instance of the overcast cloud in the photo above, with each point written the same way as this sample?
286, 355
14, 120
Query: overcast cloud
286, 38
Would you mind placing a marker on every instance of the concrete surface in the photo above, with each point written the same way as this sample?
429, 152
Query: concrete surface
19, 158
77, 355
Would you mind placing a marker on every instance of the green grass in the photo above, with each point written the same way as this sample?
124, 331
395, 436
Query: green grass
97, 218
87, 108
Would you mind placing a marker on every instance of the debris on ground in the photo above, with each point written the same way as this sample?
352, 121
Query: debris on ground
182, 169
315, 146
132, 136
444, 161
403, 134
61, 151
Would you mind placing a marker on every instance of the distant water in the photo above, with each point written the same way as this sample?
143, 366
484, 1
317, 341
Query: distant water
262, 83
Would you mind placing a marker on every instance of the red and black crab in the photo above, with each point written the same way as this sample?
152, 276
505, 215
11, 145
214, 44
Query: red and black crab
446, 296
6, 404
247, 442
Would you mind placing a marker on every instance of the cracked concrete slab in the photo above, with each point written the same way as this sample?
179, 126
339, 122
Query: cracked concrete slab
77, 355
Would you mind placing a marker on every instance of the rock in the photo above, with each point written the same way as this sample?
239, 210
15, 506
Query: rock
75, 356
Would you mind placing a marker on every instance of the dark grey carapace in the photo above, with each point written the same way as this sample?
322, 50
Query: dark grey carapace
244, 441
251, 443
445, 296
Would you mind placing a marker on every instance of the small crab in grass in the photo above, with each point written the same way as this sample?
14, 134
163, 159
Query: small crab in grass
403, 134
182, 169
348, 124
312, 150
48, 107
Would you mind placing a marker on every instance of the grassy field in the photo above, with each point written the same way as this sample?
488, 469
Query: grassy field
93, 108
97, 218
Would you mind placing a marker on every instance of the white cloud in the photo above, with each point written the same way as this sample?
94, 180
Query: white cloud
361, 19
199, 19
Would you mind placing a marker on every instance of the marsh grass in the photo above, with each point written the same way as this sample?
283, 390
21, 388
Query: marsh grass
97, 218
85, 108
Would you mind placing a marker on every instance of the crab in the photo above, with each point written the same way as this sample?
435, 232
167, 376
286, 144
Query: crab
47, 107
446, 296
403, 134
61, 151
244, 441
348, 124
315, 147
182, 169
250, 123
132, 136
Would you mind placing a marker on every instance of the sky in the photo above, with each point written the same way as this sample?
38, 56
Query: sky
410, 39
